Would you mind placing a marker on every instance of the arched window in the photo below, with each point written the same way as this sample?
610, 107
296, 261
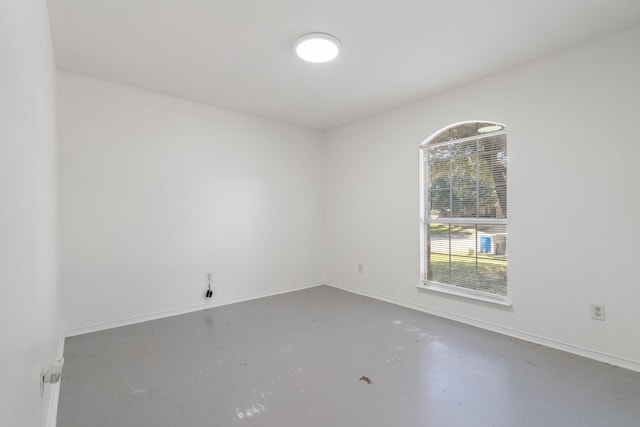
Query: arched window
464, 211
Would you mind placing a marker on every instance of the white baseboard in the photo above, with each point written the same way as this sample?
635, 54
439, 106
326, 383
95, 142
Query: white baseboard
580, 351
52, 411
175, 312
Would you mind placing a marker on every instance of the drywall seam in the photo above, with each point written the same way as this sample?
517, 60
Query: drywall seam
175, 312
580, 351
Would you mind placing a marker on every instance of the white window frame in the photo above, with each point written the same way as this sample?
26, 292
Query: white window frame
502, 300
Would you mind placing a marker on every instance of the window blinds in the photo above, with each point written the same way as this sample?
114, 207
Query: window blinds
465, 212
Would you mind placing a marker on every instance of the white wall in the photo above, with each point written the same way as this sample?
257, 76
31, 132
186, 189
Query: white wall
28, 291
156, 191
574, 237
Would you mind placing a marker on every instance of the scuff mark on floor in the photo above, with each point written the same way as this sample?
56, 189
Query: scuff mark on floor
251, 411
290, 348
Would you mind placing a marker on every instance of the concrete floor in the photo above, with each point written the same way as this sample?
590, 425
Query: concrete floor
304, 358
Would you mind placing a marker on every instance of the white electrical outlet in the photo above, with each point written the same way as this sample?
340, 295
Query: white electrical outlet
360, 268
598, 312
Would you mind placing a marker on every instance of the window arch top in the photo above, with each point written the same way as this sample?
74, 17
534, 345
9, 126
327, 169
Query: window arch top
464, 130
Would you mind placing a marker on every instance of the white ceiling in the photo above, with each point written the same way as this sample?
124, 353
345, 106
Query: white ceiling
238, 54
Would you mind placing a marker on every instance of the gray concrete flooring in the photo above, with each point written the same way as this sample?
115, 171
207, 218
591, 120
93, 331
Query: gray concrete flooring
324, 357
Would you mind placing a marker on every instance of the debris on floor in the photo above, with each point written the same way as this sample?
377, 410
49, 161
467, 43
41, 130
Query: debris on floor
366, 380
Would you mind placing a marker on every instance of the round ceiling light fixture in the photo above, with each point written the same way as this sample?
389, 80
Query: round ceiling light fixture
317, 47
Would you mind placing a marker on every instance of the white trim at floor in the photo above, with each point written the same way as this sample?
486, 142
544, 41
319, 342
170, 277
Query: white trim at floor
175, 312
580, 351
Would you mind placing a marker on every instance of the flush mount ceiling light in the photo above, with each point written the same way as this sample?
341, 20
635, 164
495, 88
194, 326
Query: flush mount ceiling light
317, 47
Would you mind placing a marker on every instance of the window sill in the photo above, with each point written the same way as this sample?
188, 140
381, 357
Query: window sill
466, 293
